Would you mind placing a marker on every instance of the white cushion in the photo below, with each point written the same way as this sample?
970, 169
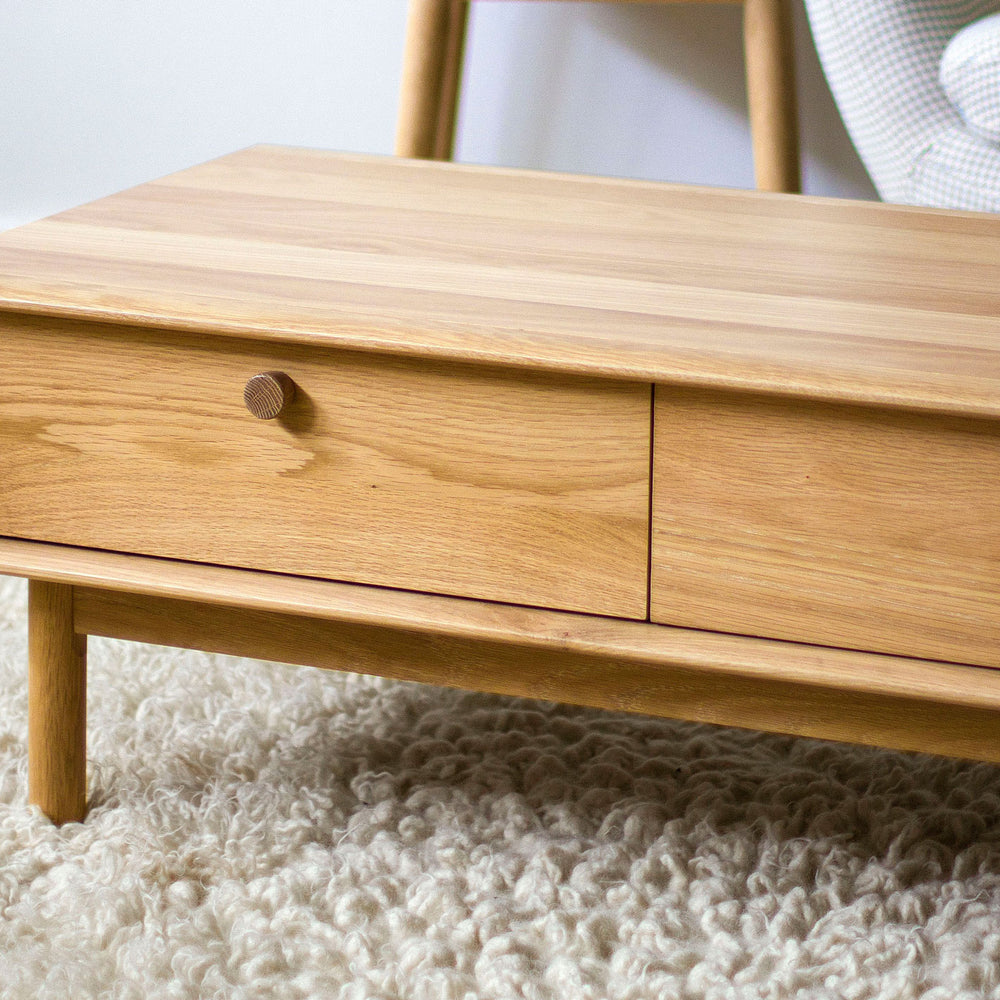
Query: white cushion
970, 75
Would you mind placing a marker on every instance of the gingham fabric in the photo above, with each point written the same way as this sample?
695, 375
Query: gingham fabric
970, 75
882, 59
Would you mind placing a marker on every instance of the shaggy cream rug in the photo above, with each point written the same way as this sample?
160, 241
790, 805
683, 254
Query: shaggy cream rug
269, 831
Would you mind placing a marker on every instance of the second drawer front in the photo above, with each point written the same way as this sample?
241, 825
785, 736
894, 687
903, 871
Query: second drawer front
825, 524
472, 481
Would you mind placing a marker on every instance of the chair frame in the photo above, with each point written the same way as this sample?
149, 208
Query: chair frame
432, 69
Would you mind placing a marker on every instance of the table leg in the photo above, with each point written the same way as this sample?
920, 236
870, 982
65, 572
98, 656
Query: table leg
57, 704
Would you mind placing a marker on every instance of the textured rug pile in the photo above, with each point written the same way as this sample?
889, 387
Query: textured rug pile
260, 830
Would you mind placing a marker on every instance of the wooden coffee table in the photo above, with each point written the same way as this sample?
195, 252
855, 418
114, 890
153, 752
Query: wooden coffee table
723, 456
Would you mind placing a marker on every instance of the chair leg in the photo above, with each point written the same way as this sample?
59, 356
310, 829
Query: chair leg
769, 45
57, 704
432, 67
451, 80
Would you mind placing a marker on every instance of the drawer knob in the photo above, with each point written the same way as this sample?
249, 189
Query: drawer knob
268, 393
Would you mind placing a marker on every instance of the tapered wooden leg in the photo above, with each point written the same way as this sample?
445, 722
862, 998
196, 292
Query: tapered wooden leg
57, 704
769, 45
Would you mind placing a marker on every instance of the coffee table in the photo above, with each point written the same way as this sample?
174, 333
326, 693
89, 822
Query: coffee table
724, 456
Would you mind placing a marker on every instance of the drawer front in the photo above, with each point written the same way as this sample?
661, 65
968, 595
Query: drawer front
473, 481
827, 524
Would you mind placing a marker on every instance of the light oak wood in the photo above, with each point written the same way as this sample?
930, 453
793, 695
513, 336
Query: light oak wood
828, 524
475, 353
523, 487
769, 53
824, 299
635, 667
602, 638
57, 704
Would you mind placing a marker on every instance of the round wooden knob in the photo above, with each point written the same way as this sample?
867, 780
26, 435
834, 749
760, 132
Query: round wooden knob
268, 393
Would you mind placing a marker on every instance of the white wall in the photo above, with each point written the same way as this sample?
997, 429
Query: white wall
97, 95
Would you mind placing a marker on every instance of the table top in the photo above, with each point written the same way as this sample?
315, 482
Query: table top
827, 299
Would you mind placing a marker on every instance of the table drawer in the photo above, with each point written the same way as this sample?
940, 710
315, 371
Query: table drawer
466, 480
838, 525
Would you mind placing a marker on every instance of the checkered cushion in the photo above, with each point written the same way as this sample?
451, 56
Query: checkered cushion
970, 76
882, 58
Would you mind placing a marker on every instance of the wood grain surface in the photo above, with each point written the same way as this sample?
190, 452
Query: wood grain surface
828, 524
833, 300
636, 667
433, 614
268, 393
523, 487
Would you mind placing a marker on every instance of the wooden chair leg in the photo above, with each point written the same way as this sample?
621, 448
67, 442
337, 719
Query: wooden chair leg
444, 145
432, 68
57, 704
769, 54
